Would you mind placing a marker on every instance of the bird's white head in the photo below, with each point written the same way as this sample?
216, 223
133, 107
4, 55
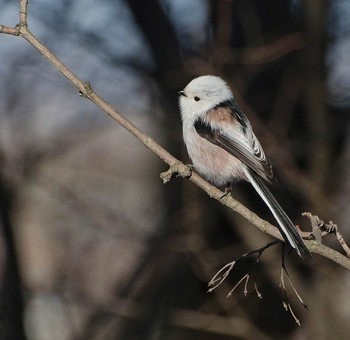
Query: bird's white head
201, 95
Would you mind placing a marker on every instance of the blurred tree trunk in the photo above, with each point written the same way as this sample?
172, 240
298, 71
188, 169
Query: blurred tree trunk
160, 36
11, 303
315, 92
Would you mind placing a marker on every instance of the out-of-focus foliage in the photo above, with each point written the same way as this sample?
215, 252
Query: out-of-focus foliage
93, 246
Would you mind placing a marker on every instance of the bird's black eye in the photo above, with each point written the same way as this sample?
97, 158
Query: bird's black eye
197, 99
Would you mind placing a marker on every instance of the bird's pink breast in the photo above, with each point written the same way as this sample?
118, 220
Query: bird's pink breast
211, 161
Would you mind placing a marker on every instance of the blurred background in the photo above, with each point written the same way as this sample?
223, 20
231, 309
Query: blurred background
92, 244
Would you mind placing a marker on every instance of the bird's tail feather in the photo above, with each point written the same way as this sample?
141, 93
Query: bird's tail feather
285, 225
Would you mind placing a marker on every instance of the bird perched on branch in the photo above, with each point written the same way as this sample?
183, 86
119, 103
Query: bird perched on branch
223, 147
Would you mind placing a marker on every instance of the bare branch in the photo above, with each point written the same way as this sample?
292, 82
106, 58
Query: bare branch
341, 241
321, 228
23, 13
284, 295
222, 274
176, 167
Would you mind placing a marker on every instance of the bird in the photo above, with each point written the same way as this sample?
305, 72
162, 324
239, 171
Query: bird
224, 149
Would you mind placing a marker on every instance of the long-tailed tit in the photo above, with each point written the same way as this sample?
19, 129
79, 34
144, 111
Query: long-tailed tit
223, 147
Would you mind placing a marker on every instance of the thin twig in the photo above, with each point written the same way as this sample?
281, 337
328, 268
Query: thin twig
327, 228
258, 294
292, 285
283, 291
222, 274
218, 279
245, 277
342, 242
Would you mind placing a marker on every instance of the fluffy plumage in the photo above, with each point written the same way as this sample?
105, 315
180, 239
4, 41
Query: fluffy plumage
223, 147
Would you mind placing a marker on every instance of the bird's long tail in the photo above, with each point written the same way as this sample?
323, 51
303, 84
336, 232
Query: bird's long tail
285, 225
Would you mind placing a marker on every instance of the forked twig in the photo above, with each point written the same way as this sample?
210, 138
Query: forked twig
222, 274
325, 229
244, 278
282, 286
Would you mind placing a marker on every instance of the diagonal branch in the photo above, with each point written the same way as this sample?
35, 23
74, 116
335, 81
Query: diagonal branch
86, 91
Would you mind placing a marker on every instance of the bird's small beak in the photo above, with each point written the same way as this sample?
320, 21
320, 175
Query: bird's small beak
182, 93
